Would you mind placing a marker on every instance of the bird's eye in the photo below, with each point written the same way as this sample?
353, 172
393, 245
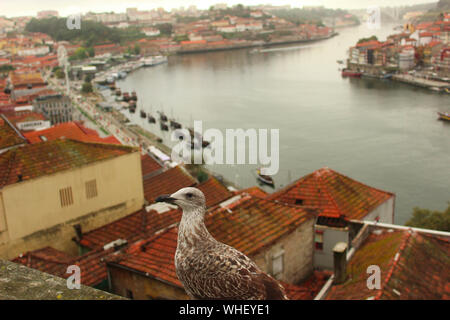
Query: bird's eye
189, 195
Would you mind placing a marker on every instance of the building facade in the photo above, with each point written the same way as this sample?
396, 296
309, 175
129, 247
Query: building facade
55, 107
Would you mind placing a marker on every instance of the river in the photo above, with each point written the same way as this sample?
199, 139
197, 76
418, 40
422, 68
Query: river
382, 133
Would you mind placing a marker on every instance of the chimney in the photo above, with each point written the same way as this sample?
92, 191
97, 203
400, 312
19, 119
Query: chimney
78, 231
340, 262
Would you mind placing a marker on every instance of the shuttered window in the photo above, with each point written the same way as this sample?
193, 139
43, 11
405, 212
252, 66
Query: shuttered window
91, 189
66, 196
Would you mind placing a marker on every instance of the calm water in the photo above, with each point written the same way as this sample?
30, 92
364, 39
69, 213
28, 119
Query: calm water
381, 133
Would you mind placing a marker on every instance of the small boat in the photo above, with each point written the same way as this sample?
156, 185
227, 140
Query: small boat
340, 61
174, 124
351, 74
126, 96
132, 109
162, 116
143, 114
151, 119
435, 89
164, 127
264, 178
444, 116
133, 96
118, 92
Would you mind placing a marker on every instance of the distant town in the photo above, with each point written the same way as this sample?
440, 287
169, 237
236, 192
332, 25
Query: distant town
78, 181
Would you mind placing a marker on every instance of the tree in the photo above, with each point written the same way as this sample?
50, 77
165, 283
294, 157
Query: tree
59, 73
137, 49
90, 52
6, 68
87, 87
372, 38
424, 218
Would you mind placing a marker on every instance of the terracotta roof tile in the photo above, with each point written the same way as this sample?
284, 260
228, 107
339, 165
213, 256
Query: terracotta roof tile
55, 262
308, 289
413, 266
214, 191
9, 136
149, 165
167, 182
133, 227
250, 226
32, 161
334, 194
69, 130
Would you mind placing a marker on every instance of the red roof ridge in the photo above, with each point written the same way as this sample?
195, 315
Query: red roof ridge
394, 262
323, 185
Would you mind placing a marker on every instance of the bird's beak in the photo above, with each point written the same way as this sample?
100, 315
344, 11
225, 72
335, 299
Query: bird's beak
165, 198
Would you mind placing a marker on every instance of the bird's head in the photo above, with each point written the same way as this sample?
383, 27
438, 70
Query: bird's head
186, 198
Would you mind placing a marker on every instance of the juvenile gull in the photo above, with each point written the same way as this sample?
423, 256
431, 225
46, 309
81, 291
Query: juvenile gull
209, 269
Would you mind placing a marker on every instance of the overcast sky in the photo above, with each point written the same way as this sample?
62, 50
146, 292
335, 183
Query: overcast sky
30, 7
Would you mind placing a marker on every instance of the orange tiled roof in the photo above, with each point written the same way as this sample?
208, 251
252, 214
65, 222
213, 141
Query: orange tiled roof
69, 130
308, 289
55, 262
167, 182
413, 266
32, 161
149, 165
250, 225
334, 194
254, 191
133, 227
23, 116
214, 191
9, 136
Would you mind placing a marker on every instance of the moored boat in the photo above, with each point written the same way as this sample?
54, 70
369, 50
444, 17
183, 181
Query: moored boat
174, 124
444, 116
264, 178
162, 116
164, 127
133, 96
351, 74
126, 96
151, 119
143, 114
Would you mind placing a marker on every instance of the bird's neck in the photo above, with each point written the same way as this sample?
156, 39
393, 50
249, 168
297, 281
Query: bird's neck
192, 229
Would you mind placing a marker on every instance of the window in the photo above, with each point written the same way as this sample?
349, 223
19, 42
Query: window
318, 240
277, 263
66, 197
299, 202
91, 189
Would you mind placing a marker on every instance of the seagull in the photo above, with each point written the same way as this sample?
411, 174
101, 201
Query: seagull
209, 269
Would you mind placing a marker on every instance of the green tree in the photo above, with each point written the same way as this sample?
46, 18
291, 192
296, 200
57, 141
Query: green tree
90, 52
6, 68
137, 49
372, 38
59, 73
436, 220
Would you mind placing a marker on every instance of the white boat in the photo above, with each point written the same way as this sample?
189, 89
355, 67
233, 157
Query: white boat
154, 60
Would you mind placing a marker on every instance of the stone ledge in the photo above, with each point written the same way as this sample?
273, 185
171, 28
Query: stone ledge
18, 282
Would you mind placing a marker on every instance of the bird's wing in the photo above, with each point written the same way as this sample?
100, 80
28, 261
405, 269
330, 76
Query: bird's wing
229, 274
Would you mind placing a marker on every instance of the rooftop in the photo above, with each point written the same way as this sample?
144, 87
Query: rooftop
149, 165
413, 265
249, 225
334, 194
69, 130
9, 136
214, 191
36, 160
133, 227
167, 182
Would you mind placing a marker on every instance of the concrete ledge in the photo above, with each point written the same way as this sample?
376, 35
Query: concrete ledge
18, 282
